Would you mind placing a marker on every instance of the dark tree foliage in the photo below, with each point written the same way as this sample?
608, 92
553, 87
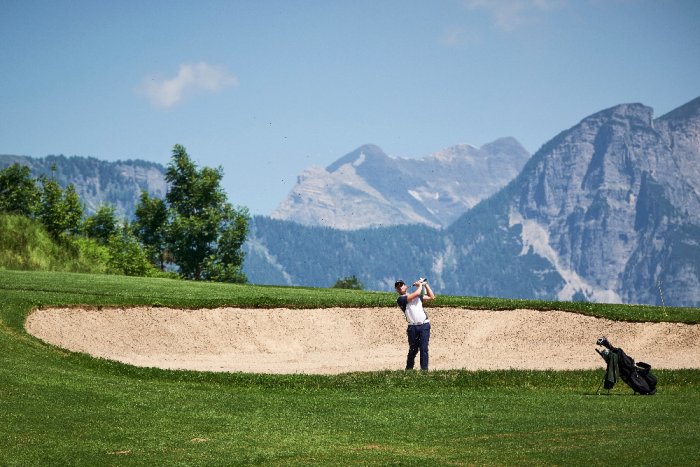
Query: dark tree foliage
126, 256
205, 233
18, 191
60, 211
150, 227
102, 225
226, 264
350, 282
73, 209
97, 182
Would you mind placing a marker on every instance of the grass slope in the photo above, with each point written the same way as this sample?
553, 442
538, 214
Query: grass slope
61, 408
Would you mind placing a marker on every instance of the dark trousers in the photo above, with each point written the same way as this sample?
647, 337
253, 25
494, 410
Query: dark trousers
418, 337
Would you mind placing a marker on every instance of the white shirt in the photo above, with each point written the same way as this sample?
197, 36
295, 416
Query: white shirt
415, 314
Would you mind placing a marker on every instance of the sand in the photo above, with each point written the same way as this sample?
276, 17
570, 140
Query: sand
340, 340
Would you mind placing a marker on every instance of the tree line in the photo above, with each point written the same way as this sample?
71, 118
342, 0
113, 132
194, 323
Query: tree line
319, 256
194, 230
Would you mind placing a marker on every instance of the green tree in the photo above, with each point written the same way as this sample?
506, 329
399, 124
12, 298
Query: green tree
126, 255
225, 265
73, 209
102, 225
60, 211
18, 191
199, 234
150, 227
350, 282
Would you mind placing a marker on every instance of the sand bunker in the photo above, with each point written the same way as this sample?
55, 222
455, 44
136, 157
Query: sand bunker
339, 340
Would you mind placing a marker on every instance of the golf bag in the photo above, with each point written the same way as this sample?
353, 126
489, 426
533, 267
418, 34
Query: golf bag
638, 375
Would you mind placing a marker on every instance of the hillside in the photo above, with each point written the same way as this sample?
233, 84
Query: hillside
96, 181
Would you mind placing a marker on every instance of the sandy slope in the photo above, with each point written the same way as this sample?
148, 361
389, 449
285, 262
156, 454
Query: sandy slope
339, 340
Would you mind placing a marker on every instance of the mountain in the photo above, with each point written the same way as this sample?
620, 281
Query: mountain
367, 188
97, 182
607, 211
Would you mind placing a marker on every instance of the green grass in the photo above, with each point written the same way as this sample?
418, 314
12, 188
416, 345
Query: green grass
59, 408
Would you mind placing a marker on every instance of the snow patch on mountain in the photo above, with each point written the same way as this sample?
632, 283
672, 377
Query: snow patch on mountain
535, 238
423, 195
256, 246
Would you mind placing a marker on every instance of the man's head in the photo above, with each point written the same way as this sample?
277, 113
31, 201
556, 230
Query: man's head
400, 287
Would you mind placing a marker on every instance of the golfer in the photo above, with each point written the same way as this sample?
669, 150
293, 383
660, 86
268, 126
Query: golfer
418, 331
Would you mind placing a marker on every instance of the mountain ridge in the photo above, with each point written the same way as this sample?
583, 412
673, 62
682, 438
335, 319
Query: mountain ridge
368, 188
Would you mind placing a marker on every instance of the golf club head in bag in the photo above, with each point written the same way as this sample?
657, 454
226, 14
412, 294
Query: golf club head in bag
602, 340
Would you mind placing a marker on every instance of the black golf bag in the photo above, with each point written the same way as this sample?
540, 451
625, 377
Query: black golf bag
638, 375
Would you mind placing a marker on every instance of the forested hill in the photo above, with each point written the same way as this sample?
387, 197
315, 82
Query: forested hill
287, 253
99, 182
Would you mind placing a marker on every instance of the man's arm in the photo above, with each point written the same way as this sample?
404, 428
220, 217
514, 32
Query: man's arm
415, 293
430, 295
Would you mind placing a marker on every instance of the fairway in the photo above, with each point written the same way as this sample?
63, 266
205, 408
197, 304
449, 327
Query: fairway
60, 407
341, 340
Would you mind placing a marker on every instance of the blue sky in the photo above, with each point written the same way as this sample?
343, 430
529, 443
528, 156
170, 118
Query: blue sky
266, 89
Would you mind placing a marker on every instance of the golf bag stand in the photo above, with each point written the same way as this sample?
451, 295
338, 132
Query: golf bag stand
637, 376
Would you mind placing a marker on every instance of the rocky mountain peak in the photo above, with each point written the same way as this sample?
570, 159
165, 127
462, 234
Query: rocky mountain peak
507, 146
458, 151
622, 117
365, 153
367, 188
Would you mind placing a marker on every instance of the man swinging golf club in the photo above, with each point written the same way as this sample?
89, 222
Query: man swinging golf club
418, 331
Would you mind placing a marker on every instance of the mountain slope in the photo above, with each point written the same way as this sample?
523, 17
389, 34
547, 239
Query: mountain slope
606, 207
286, 253
367, 188
118, 183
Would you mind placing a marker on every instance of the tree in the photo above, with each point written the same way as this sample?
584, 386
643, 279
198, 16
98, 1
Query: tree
73, 209
150, 227
59, 211
102, 225
205, 232
350, 282
18, 191
126, 256
225, 265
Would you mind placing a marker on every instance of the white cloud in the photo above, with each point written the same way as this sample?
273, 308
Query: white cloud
190, 79
508, 15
